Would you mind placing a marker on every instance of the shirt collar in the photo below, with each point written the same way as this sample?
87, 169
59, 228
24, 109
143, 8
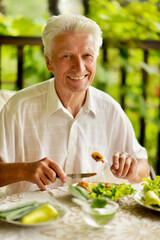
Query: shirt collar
54, 104
53, 101
89, 105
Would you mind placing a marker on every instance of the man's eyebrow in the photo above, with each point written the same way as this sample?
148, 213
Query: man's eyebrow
65, 51
89, 50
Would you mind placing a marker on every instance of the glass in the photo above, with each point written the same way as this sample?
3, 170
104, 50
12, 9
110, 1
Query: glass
99, 217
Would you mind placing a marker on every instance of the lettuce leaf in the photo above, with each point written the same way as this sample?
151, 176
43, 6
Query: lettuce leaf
113, 191
152, 185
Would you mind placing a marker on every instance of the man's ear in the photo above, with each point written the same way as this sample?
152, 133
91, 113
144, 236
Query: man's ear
48, 63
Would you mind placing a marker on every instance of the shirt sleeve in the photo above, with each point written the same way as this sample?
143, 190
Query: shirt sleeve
124, 139
8, 137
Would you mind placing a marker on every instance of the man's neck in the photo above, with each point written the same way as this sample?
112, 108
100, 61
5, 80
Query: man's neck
73, 102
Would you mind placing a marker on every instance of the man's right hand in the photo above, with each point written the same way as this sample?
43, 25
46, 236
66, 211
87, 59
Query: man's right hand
43, 172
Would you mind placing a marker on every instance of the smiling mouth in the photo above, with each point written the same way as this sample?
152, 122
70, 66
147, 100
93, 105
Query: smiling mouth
78, 78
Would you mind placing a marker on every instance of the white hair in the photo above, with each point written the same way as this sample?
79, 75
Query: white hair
67, 23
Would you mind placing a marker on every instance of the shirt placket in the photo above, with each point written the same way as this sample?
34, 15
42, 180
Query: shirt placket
71, 152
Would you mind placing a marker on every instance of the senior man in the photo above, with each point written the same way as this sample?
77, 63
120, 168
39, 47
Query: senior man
52, 128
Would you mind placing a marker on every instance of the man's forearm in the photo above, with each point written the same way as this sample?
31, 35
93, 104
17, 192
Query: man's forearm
11, 173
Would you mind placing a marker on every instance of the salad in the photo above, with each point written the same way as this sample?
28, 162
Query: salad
151, 191
112, 191
105, 190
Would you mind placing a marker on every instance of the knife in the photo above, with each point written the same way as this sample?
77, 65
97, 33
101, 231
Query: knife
79, 175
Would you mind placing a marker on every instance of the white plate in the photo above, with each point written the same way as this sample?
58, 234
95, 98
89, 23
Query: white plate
39, 196
139, 199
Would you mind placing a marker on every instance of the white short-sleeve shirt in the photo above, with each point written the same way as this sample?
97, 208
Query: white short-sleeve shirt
34, 124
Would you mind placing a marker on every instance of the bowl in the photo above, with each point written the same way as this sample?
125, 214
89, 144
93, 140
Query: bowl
99, 217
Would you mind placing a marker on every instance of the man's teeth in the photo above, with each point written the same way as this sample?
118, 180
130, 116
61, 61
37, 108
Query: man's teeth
77, 78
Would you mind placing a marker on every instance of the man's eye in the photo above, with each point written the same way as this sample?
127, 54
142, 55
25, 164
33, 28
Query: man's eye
66, 56
88, 55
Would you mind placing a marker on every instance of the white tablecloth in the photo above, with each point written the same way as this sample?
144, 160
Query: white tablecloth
131, 222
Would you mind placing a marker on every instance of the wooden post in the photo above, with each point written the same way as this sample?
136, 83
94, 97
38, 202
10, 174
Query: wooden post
144, 94
123, 84
105, 48
86, 7
0, 68
20, 68
53, 7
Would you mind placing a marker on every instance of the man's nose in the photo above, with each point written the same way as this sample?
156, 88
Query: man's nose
79, 64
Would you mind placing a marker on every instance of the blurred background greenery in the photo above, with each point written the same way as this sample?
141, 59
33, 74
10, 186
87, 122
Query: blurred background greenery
124, 25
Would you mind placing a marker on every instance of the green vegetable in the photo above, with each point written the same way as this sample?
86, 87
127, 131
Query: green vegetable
99, 203
32, 209
44, 213
94, 203
78, 192
151, 198
112, 191
152, 185
151, 191
15, 213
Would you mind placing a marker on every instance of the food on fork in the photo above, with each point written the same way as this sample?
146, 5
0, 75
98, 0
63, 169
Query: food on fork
97, 157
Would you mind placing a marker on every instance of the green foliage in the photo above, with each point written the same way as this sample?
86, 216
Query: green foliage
135, 20
34, 9
21, 26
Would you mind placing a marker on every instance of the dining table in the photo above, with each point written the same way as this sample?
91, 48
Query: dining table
132, 221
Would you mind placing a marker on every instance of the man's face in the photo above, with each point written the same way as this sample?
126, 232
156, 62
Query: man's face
73, 62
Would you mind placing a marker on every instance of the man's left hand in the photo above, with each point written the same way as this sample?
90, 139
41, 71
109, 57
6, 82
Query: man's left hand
124, 166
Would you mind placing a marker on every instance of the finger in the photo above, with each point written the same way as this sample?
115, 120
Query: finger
46, 181
115, 160
51, 174
122, 160
59, 171
126, 166
133, 170
41, 185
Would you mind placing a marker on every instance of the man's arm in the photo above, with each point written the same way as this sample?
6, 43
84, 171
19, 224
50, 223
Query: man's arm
127, 167
42, 172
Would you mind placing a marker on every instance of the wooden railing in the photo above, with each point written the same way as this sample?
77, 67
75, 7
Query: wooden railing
21, 42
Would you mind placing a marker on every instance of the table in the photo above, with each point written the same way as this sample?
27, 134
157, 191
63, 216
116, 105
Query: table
131, 222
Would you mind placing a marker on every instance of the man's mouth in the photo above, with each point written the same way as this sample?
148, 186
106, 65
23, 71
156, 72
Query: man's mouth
78, 78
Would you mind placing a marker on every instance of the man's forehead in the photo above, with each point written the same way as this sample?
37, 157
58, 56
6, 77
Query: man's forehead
65, 36
69, 40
